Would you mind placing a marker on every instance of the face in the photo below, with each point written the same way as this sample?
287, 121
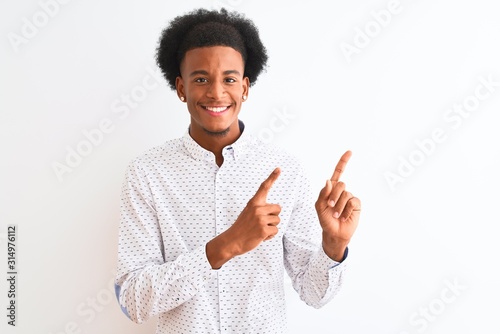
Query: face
213, 86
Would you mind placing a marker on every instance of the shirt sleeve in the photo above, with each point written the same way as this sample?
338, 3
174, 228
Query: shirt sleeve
145, 284
315, 276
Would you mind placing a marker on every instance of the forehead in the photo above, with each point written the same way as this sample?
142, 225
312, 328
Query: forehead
212, 58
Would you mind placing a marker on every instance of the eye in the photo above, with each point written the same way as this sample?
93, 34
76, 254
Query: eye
230, 80
200, 80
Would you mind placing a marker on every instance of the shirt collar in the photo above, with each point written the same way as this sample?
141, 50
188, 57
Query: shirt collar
235, 150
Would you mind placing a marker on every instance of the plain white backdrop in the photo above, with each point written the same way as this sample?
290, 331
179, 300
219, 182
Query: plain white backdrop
411, 87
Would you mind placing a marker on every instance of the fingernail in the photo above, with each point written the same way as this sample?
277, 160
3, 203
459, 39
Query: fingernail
331, 203
336, 215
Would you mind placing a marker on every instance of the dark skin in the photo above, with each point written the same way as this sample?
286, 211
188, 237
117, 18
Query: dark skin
212, 77
213, 87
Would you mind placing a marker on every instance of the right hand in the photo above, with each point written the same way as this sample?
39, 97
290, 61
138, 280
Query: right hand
258, 221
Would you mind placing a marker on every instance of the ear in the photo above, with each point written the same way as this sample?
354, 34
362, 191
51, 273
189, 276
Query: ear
179, 86
246, 86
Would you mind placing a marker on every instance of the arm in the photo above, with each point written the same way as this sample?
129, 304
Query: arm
338, 211
315, 276
146, 284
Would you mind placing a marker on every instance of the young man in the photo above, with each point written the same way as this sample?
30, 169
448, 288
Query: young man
211, 221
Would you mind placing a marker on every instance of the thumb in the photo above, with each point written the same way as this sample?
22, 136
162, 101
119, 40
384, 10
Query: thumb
260, 196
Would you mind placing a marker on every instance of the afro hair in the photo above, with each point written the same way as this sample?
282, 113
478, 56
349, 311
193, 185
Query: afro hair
203, 28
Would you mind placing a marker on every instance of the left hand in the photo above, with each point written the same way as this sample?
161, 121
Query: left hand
338, 212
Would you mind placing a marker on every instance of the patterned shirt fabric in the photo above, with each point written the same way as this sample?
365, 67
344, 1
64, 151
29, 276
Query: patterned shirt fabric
175, 199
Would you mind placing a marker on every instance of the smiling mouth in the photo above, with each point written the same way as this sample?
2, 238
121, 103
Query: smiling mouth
216, 109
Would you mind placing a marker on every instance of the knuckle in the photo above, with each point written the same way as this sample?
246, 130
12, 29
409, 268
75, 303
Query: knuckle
354, 203
260, 218
340, 185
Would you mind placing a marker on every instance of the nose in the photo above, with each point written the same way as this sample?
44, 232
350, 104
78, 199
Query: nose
216, 90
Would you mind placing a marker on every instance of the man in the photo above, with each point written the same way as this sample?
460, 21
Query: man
211, 221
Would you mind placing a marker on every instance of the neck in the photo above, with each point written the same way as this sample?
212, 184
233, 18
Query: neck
215, 142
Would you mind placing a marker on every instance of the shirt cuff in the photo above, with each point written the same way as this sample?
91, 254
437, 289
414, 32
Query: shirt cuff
193, 264
328, 262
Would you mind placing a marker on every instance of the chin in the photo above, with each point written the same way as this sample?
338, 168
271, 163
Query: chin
217, 133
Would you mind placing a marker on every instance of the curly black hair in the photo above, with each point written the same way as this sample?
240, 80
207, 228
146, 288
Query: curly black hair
202, 27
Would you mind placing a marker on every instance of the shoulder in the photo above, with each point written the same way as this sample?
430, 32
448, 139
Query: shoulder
158, 154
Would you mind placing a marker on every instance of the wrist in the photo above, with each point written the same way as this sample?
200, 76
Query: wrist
334, 248
219, 251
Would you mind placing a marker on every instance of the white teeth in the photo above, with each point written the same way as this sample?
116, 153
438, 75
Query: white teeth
218, 109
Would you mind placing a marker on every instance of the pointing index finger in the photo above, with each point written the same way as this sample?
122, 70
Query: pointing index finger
339, 169
261, 194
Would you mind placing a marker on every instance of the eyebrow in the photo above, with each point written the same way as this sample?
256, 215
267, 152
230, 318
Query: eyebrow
203, 72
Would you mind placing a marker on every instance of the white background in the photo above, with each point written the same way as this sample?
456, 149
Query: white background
434, 227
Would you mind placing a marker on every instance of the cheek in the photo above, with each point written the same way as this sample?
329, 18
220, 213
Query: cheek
237, 93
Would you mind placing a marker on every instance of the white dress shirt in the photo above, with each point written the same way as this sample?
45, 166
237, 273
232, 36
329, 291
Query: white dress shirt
175, 199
